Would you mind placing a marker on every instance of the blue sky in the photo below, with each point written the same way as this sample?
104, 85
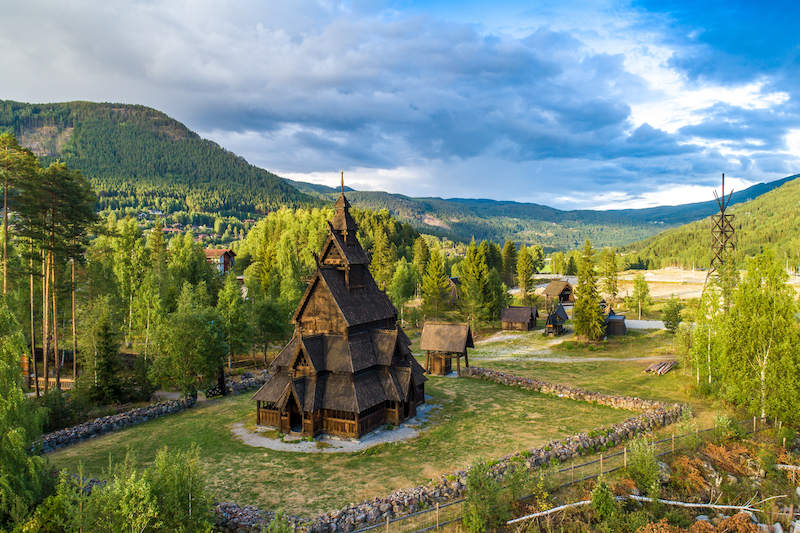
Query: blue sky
587, 105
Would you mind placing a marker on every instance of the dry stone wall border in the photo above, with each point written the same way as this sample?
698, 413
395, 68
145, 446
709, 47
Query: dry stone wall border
653, 414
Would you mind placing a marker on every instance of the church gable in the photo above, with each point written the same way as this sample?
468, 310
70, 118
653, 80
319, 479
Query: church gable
331, 254
318, 312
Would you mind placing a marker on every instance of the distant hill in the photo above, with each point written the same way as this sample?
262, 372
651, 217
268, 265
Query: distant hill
683, 214
136, 157
554, 229
770, 220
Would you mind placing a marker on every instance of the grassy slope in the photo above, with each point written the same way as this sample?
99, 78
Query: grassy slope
477, 419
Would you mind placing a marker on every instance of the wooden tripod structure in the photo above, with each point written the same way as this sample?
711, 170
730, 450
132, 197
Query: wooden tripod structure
723, 237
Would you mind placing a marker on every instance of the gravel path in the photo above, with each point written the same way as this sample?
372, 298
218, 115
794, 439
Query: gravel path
407, 430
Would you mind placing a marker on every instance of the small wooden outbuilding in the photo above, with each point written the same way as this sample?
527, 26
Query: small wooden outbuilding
560, 291
614, 324
555, 321
519, 318
444, 342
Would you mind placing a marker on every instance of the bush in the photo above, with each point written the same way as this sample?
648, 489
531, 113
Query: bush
726, 427
280, 524
603, 501
485, 508
642, 464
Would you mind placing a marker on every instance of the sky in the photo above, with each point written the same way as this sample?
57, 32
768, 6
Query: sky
578, 105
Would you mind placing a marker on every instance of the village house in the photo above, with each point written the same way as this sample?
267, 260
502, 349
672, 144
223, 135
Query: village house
519, 318
222, 259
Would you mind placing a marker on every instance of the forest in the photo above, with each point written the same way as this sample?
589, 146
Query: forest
766, 222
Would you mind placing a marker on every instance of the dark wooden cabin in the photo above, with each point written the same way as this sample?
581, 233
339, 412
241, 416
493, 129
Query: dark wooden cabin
555, 321
559, 291
519, 318
444, 342
348, 369
614, 324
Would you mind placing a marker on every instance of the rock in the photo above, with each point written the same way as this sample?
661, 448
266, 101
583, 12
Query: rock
752, 516
777, 527
701, 518
664, 472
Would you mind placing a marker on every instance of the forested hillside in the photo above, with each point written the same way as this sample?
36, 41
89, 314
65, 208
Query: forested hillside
137, 157
769, 221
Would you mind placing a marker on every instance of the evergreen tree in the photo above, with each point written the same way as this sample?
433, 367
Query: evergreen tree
422, 255
435, 285
610, 283
671, 314
509, 257
474, 282
524, 273
497, 295
383, 259
588, 316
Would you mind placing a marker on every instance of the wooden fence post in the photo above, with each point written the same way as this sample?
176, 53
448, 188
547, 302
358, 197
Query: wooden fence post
437, 515
573, 471
387, 524
673, 443
601, 464
754, 425
625, 457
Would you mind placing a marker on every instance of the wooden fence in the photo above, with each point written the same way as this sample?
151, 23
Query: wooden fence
452, 512
66, 384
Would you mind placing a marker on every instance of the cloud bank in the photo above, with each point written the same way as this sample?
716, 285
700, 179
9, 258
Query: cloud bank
596, 105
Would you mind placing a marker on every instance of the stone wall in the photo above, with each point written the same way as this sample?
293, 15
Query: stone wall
100, 426
451, 487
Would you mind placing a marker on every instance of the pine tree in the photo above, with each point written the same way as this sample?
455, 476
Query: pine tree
474, 282
435, 285
509, 257
588, 316
524, 273
610, 283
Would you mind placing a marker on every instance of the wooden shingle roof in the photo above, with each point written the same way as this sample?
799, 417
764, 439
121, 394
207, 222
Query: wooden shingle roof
556, 287
444, 337
518, 314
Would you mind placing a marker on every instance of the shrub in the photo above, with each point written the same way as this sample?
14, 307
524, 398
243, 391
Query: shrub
603, 501
280, 524
642, 464
726, 427
485, 508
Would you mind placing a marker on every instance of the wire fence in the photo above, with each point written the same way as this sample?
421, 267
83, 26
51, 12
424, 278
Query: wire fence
442, 515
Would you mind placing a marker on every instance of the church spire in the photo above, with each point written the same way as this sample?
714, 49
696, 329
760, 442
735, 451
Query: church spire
343, 221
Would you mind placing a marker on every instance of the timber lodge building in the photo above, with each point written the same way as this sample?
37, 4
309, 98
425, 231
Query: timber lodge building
348, 369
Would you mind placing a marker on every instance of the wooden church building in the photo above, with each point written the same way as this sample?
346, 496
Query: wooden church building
348, 369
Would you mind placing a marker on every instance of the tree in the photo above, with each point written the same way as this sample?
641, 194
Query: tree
235, 318
671, 314
21, 469
435, 285
497, 298
270, 323
588, 316
610, 273
474, 282
191, 343
760, 359
100, 359
557, 263
706, 343
641, 294
422, 255
524, 273
15, 163
383, 259
537, 257
509, 257
178, 484
403, 282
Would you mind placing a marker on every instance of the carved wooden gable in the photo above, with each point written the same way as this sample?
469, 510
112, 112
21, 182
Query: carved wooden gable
318, 312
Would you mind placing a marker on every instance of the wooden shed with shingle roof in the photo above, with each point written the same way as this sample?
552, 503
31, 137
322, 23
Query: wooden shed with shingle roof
519, 318
554, 325
444, 342
348, 368
560, 291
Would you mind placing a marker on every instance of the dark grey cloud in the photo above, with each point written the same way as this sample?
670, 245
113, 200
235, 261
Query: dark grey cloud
316, 87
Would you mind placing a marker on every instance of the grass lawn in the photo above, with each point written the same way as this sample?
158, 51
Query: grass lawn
477, 419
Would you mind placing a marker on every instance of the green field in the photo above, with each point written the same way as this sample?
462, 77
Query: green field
476, 419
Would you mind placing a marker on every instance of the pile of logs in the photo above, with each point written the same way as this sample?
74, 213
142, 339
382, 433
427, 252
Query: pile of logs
660, 368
